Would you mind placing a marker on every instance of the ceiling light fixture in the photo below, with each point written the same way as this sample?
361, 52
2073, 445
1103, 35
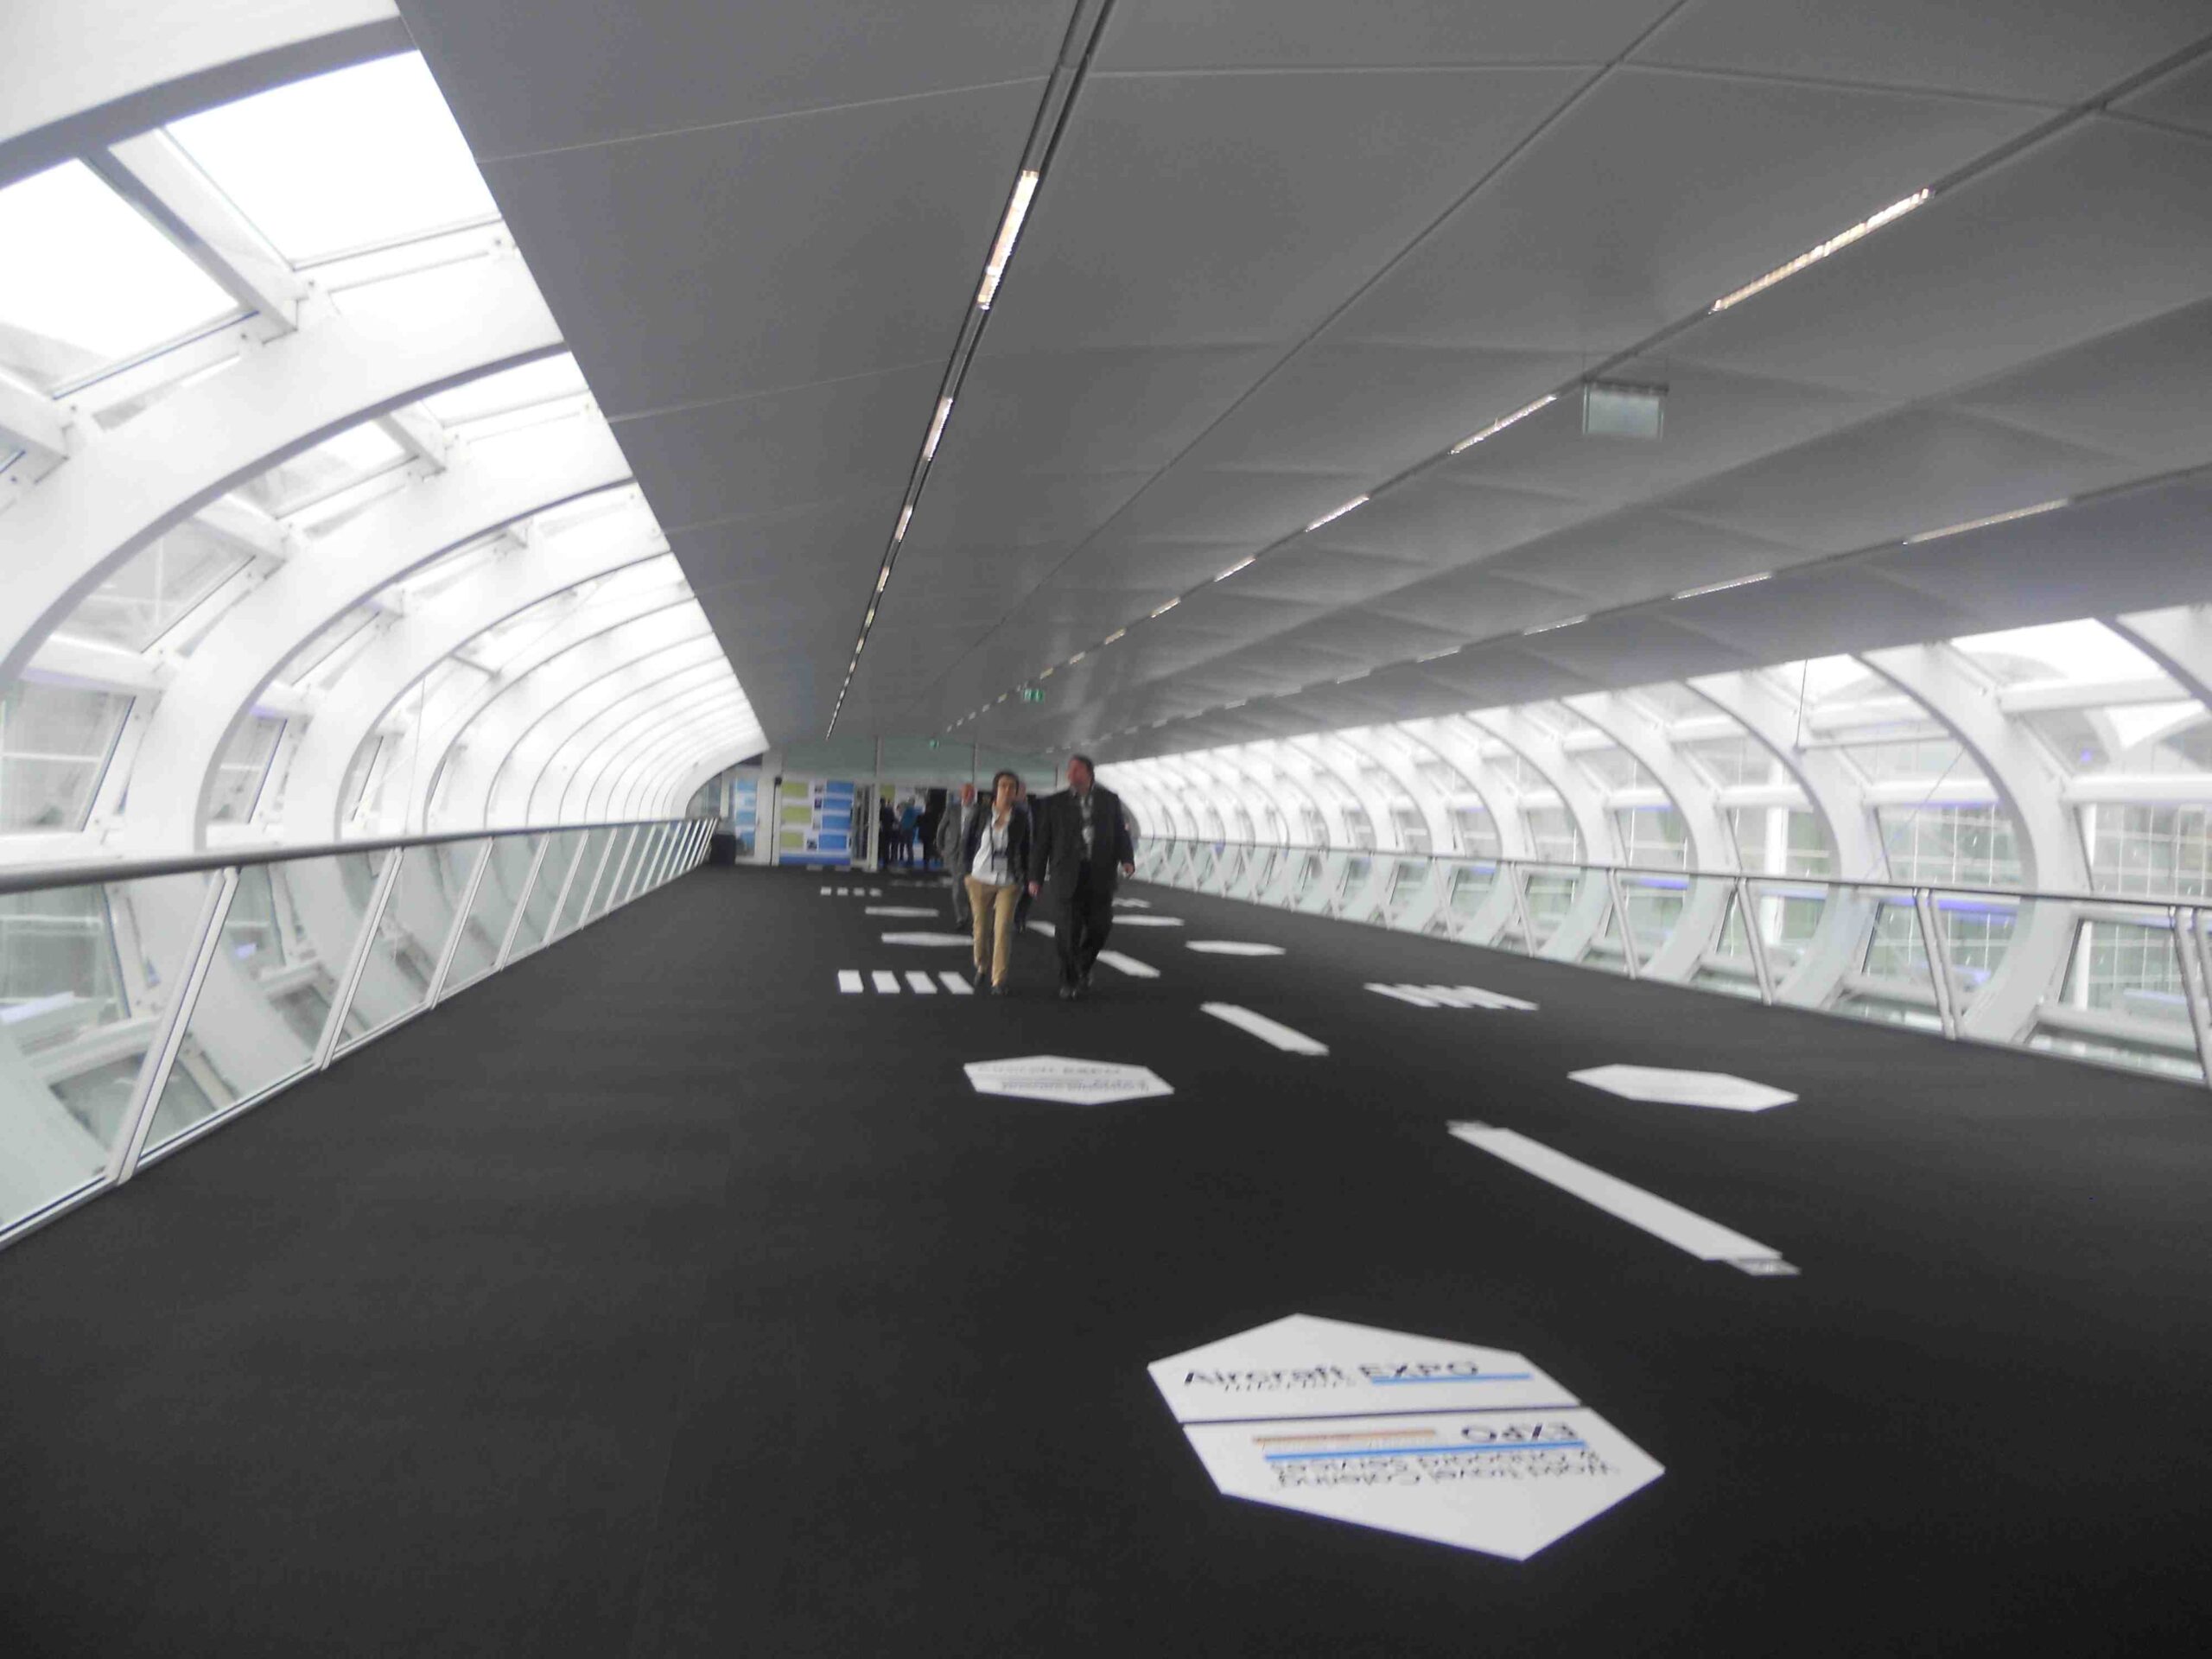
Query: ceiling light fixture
883, 579
1332, 516
1235, 568
1564, 622
1168, 607
1500, 424
1009, 228
1078, 658
937, 428
907, 512
1984, 524
1723, 586
1815, 255
1112, 637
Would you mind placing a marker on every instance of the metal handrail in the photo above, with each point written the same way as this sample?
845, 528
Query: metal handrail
36, 878
1894, 883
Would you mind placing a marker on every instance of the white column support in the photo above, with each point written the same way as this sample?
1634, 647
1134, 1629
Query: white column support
1577, 930
155, 176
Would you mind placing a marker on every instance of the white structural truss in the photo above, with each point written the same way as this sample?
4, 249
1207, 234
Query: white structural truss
2002, 836
312, 528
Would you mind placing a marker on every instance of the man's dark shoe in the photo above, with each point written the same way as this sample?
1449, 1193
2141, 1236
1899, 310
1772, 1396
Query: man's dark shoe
981, 973
1067, 990
998, 990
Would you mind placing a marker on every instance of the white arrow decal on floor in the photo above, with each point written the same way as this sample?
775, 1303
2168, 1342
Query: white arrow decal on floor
1267, 1030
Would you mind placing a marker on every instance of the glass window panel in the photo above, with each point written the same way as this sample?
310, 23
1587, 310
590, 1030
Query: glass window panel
597, 846
496, 894
2150, 850
242, 768
54, 744
548, 380
358, 158
625, 868
156, 587
538, 912
85, 973
335, 464
88, 282
261, 1011
395, 976
1966, 846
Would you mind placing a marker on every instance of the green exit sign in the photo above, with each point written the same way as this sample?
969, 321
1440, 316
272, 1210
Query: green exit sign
1032, 694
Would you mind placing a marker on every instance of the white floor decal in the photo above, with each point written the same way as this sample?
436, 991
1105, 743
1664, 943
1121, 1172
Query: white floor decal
1231, 948
1714, 1089
1133, 904
1453, 996
954, 983
1129, 965
1072, 1082
886, 981
1684, 1230
1474, 1447
1046, 928
825, 892
1293, 1042
920, 984
848, 980
1148, 921
901, 910
947, 941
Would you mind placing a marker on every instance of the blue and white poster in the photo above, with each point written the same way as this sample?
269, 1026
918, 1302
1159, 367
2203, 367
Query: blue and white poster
814, 821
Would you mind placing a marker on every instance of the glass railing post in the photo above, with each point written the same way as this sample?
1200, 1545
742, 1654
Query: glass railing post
1754, 941
1939, 963
522, 903
2188, 926
1621, 925
1511, 869
460, 921
358, 958
169, 1038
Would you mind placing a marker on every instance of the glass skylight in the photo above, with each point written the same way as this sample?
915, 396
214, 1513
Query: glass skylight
85, 282
336, 463
548, 380
361, 157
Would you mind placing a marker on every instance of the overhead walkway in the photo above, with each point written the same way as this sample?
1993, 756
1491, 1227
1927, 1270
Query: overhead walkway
658, 1295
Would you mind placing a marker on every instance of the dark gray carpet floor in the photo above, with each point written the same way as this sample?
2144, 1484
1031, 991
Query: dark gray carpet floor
654, 1298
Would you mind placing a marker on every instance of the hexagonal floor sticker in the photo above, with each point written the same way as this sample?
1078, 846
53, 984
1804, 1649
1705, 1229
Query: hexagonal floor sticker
1717, 1089
1473, 1447
1067, 1082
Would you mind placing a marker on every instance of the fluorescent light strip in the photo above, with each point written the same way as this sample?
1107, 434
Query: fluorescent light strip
1164, 609
1078, 658
1235, 568
937, 428
1553, 628
907, 512
1499, 425
1723, 586
1112, 637
1812, 256
1009, 229
1332, 516
1984, 524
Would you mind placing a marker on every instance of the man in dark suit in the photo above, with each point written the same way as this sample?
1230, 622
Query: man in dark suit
1080, 846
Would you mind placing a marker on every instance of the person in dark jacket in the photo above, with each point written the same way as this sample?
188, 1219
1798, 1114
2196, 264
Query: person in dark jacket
996, 855
1080, 848
886, 834
951, 839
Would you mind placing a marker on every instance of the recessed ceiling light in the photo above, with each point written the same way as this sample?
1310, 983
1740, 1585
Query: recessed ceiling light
1335, 514
1564, 622
1235, 568
1815, 255
1168, 607
1112, 637
1723, 586
907, 512
1078, 658
1984, 524
883, 579
1009, 228
1503, 421
937, 428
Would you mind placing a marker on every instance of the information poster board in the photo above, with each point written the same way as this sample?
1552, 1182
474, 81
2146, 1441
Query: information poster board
742, 810
814, 821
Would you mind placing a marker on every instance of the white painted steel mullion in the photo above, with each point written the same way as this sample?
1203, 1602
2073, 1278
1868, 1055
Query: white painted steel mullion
358, 958
522, 902
169, 1038
459, 923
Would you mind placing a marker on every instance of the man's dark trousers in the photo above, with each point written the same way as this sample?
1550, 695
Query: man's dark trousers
1079, 927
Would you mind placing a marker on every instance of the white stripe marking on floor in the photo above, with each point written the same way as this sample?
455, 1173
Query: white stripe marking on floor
1495, 1001
923, 984
899, 910
825, 892
886, 981
1046, 928
848, 980
1267, 1030
956, 984
1150, 921
875, 893
1231, 948
941, 940
844, 893
1133, 904
1684, 1230
1129, 965
1407, 993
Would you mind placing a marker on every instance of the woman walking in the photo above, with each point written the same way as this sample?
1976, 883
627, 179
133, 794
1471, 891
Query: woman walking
996, 855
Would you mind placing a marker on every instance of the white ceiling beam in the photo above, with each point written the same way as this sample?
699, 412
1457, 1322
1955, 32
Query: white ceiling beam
249, 527
98, 664
2039, 696
159, 180
31, 423
416, 432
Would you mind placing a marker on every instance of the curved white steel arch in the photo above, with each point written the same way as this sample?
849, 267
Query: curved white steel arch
590, 620
524, 716
572, 695
683, 778
1586, 913
586, 775
69, 530
654, 775
622, 783
604, 710
476, 494
416, 643
2031, 786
